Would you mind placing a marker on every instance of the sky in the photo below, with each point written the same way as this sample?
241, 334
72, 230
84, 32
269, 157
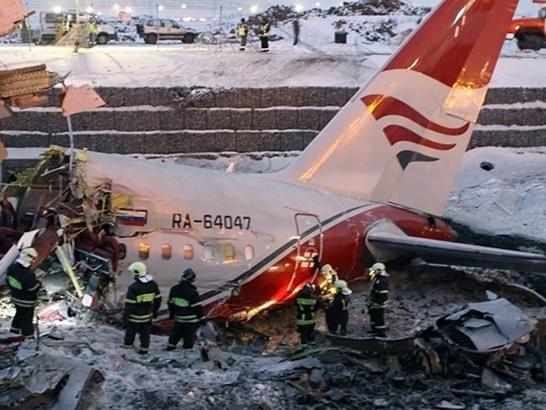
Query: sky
207, 8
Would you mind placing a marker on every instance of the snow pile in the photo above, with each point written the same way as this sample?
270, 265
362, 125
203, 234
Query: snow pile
377, 7
509, 199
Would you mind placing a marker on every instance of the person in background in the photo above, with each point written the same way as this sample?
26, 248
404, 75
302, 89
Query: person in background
263, 33
142, 303
242, 32
92, 31
296, 29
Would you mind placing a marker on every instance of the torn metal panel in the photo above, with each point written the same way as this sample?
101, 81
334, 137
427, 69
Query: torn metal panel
26, 81
486, 326
71, 395
374, 344
11, 12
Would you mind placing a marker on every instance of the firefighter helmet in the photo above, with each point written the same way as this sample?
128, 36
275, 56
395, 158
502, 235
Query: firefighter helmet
309, 288
189, 275
377, 269
328, 272
341, 286
138, 269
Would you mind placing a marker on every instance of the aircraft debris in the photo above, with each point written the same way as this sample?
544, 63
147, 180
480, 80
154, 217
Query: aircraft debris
11, 13
43, 379
24, 87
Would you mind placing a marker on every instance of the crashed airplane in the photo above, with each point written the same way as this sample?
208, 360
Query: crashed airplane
367, 188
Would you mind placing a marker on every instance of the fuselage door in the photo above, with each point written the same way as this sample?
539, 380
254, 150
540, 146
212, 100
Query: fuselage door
309, 244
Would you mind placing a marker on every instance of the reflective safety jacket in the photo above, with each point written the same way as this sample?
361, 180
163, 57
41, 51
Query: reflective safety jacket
263, 29
142, 302
23, 285
242, 30
92, 27
185, 303
306, 306
379, 292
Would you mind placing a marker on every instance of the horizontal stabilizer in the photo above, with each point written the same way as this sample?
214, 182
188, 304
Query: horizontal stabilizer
450, 253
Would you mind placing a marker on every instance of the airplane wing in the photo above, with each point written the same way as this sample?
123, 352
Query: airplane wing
391, 243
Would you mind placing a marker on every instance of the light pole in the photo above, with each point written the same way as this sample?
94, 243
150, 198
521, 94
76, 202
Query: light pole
158, 8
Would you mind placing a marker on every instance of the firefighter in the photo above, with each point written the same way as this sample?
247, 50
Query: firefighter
340, 307
327, 291
186, 310
92, 31
141, 305
242, 32
24, 292
263, 33
306, 306
378, 298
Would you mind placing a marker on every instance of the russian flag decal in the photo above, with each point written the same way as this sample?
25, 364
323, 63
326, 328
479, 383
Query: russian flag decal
132, 217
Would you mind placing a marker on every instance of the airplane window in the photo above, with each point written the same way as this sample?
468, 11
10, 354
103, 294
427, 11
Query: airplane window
166, 251
249, 252
209, 254
229, 253
187, 252
143, 250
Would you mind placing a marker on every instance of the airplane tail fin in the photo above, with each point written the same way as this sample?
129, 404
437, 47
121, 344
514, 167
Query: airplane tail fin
402, 137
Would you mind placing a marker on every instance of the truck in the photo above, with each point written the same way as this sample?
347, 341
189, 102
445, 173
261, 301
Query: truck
53, 27
530, 33
154, 29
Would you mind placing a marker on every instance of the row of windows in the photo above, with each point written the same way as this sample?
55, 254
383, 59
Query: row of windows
210, 253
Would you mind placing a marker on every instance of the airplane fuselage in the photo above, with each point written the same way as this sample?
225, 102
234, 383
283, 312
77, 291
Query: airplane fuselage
250, 238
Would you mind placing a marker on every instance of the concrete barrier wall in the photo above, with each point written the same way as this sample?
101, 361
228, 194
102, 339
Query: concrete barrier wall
170, 120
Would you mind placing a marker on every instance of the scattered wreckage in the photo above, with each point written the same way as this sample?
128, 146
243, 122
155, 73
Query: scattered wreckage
492, 341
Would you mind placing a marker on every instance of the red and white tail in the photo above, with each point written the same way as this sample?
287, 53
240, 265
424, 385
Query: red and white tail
402, 137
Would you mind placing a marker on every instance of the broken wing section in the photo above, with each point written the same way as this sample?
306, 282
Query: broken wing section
387, 242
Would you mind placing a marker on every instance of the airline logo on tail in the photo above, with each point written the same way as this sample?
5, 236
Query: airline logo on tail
390, 109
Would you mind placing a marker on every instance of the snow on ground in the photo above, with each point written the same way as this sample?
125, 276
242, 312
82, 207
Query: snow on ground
307, 64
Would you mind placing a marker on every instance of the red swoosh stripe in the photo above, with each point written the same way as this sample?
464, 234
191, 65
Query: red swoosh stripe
397, 133
380, 106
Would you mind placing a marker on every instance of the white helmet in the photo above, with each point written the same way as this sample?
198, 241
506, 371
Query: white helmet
341, 285
328, 271
377, 268
138, 269
27, 256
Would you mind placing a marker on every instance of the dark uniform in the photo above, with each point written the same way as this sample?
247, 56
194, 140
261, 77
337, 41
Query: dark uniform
340, 313
327, 300
24, 295
141, 305
263, 33
327, 294
378, 301
306, 304
186, 310
296, 28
